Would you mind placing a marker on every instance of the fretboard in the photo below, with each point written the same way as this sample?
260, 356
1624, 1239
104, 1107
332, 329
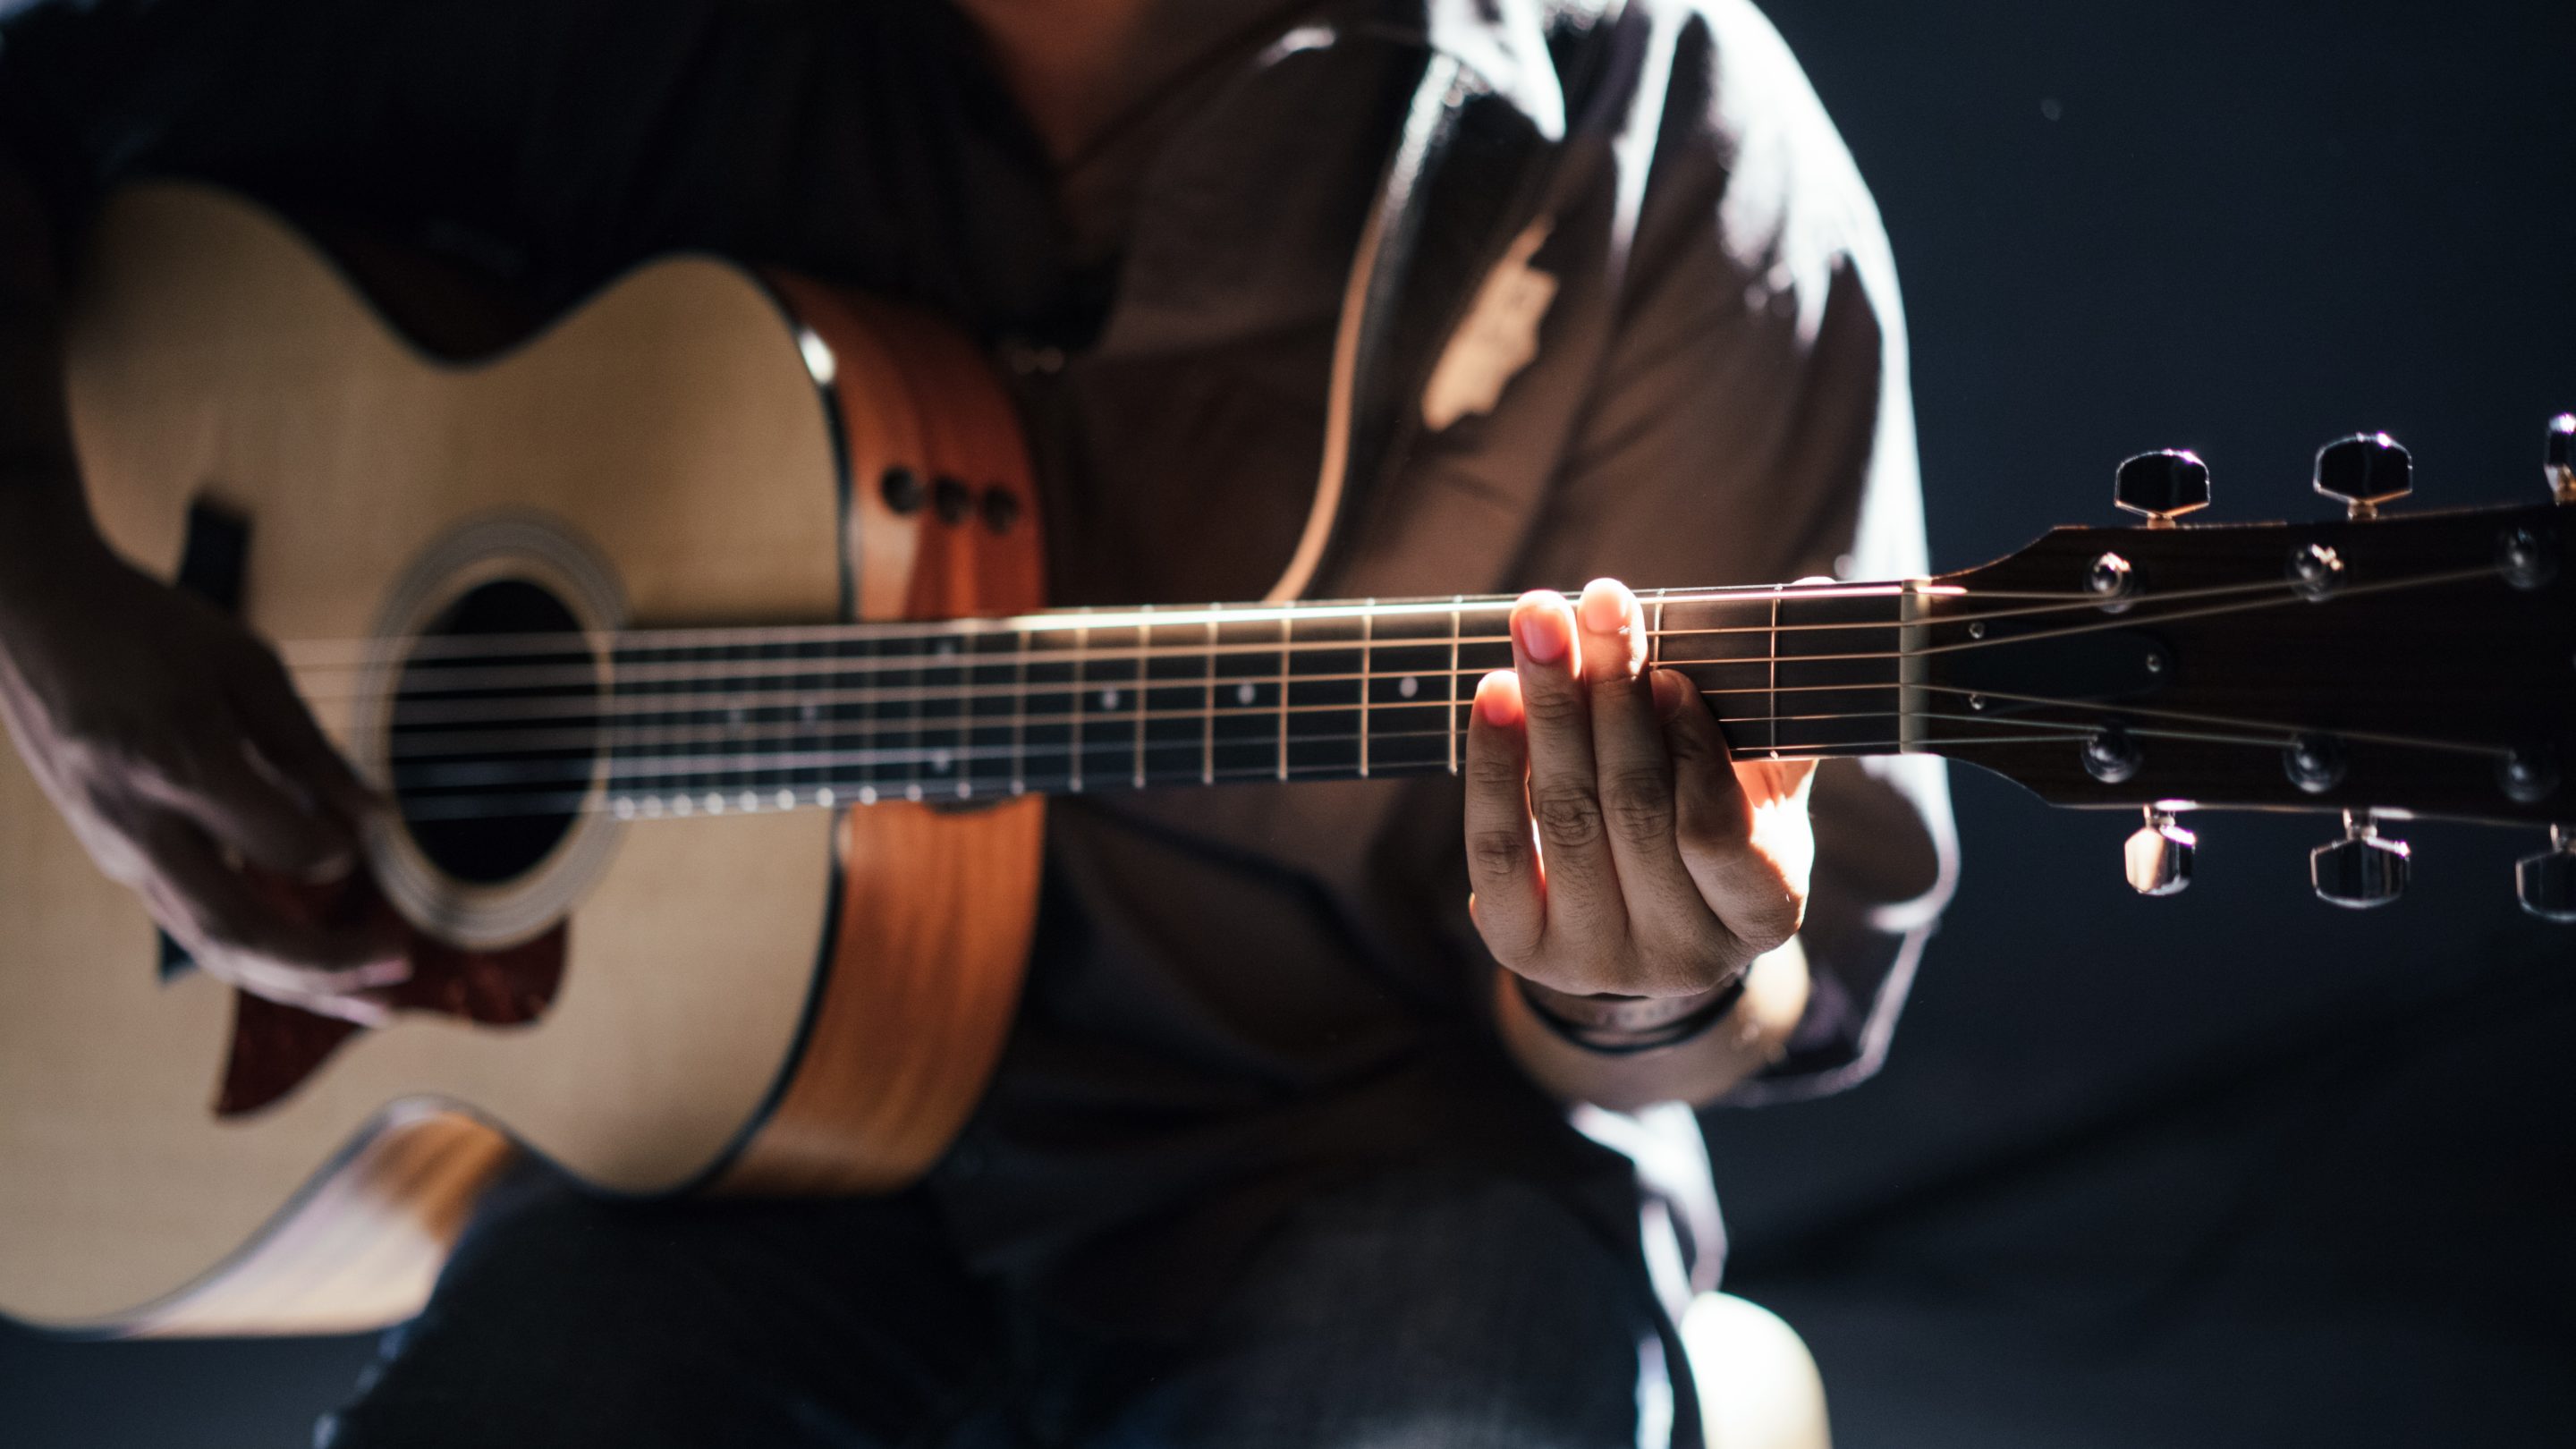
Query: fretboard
1080, 701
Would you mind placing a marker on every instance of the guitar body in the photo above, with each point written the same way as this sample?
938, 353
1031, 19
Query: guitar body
799, 1002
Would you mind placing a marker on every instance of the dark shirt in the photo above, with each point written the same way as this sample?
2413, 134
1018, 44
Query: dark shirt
1238, 993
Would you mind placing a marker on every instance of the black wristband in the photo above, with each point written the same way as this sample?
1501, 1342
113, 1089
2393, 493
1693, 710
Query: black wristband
1614, 1042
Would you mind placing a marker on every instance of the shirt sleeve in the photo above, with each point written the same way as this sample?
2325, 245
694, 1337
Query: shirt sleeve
1751, 422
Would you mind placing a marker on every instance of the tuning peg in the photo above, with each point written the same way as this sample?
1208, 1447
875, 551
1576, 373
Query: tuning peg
2361, 870
2547, 882
2162, 486
2558, 460
2158, 855
2365, 471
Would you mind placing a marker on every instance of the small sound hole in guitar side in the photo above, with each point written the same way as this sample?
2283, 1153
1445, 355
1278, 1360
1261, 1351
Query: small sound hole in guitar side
495, 727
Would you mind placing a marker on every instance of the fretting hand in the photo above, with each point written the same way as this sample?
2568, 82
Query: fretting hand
1613, 842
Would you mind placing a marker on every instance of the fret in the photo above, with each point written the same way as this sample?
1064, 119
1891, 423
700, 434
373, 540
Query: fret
1367, 630
1144, 639
1773, 713
893, 719
1724, 647
1050, 712
1484, 644
802, 713
991, 757
1021, 643
1175, 704
660, 703
1111, 712
1245, 723
1837, 677
1286, 657
753, 777
1207, 724
788, 782
1406, 708
1322, 718
1451, 710
939, 716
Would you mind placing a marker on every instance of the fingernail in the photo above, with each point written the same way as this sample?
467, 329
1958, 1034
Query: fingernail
1497, 700
1541, 630
1602, 610
383, 973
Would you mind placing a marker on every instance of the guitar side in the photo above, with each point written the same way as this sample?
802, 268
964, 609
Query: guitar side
764, 1002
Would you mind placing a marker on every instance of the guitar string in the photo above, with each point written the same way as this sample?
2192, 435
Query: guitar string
771, 797
543, 673
496, 713
762, 794
368, 652
943, 757
485, 767
1124, 721
505, 740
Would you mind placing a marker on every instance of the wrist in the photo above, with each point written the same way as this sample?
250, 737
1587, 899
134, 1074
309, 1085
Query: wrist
1749, 1036
1610, 1024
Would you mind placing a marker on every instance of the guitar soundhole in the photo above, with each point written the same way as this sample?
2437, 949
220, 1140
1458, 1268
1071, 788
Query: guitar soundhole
494, 733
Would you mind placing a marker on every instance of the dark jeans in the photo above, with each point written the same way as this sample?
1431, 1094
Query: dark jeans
1418, 1310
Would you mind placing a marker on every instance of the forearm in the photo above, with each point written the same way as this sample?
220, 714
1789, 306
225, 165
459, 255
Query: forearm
1747, 1038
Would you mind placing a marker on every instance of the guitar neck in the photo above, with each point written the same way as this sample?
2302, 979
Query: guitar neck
1082, 701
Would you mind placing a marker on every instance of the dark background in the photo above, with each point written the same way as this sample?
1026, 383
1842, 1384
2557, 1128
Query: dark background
2231, 1168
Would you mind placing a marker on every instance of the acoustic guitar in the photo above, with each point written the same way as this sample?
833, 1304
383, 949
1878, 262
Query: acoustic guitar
680, 632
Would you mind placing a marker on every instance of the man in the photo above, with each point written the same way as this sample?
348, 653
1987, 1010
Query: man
1278, 1153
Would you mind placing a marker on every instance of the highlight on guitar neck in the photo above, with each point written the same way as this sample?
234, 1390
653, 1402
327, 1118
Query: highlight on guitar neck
2375, 668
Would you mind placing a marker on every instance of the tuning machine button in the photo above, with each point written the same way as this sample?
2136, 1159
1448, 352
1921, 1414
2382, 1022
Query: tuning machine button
2558, 459
2363, 869
2158, 855
2546, 882
2162, 486
2365, 471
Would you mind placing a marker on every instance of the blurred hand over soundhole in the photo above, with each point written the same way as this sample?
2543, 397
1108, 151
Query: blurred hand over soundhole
173, 743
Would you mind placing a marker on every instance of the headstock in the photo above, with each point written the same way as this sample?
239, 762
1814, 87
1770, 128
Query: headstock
2372, 667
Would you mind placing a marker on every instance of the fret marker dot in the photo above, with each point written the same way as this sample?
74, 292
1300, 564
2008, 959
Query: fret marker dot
947, 648
1109, 699
750, 801
624, 807
965, 788
939, 761
734, 715
867, 794
912, 792
786, 799
653, 805
715, 804
1244, 693
809, 711
681, 805
823, 798
1408, 686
